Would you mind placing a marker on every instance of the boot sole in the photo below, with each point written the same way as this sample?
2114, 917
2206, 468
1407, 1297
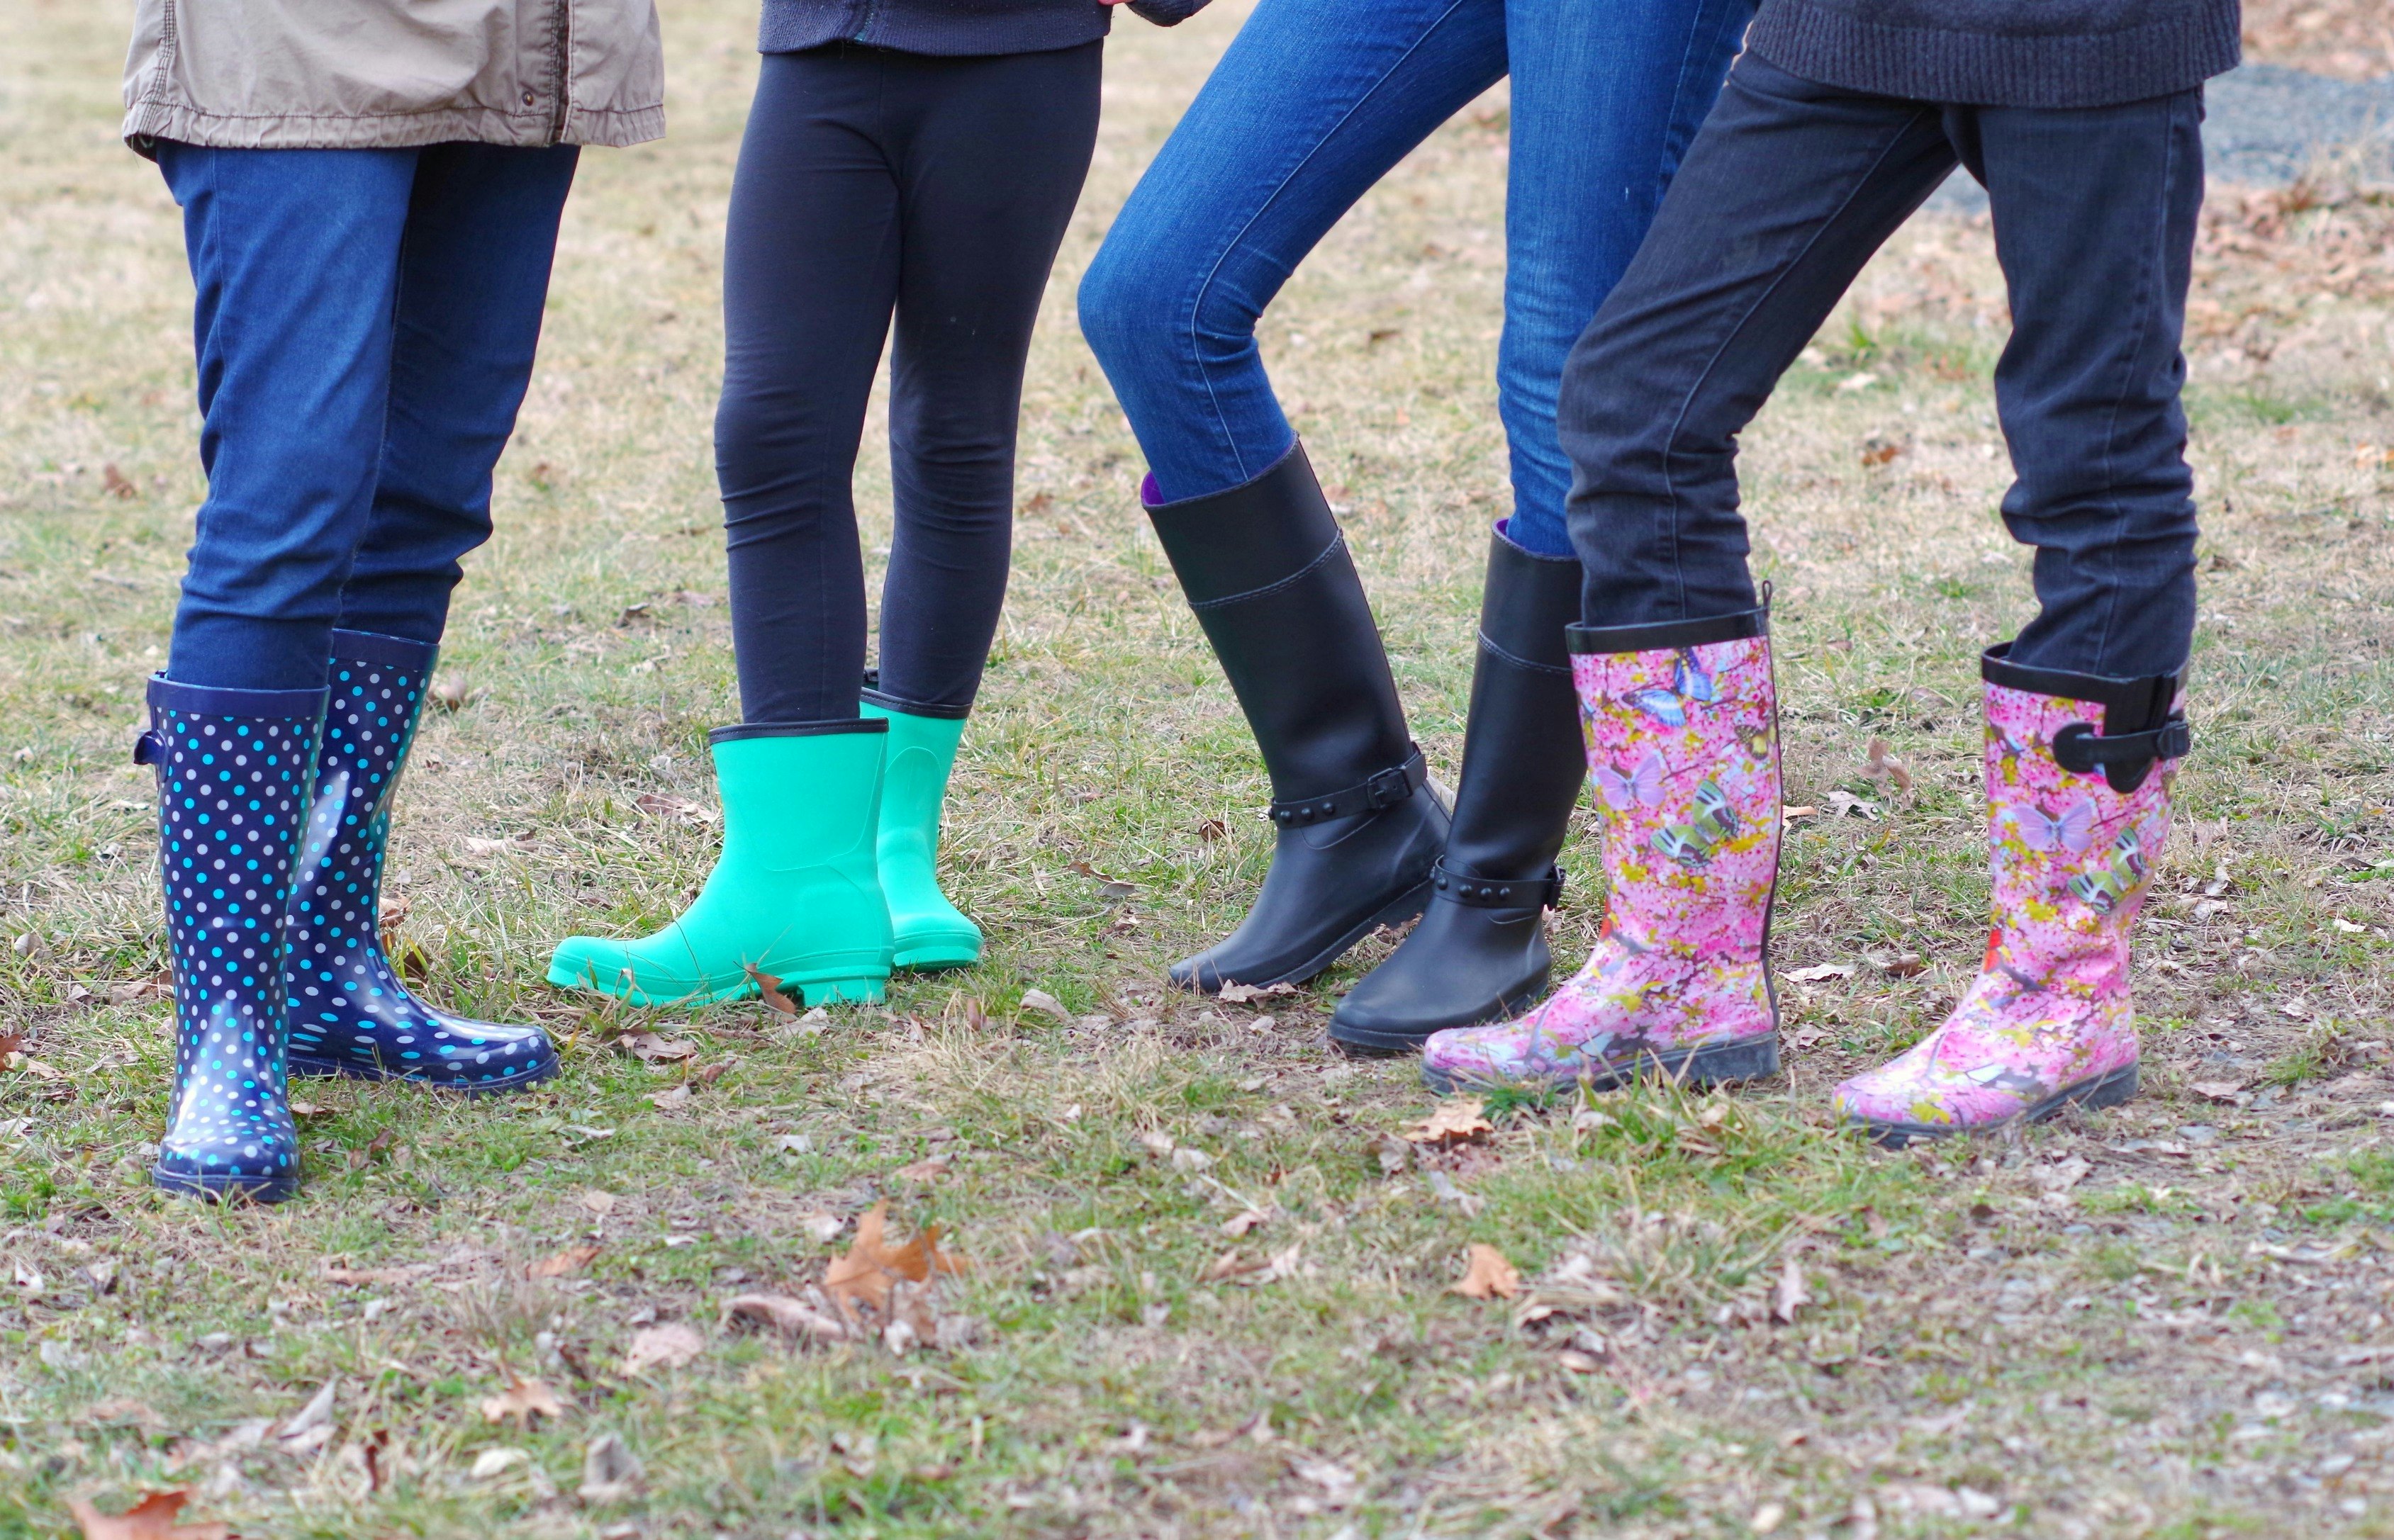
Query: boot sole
1708, 1064
225, 1189
1379, 1042
2104, 1091
336, 1069
938, 959
863, 989
1404, 907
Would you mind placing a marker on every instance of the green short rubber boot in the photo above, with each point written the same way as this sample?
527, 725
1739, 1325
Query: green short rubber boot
795, 896
930, 931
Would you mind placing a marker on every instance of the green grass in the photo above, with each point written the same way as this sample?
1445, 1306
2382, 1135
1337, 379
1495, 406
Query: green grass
2089, 1351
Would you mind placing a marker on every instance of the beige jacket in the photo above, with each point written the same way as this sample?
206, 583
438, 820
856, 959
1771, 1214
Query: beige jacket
347, 74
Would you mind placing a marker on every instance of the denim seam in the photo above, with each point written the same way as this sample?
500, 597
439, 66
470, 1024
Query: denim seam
1337, 543
1687, 403
2128, 373
1197, 298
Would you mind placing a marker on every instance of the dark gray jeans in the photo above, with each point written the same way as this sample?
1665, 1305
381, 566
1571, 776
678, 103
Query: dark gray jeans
1786, 192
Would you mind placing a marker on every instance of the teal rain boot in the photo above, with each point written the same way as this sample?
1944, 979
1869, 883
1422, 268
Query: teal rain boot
930, 933
795, 896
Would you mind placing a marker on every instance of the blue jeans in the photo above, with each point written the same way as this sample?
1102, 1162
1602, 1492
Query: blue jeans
1313, 104
1785, 194
365, 326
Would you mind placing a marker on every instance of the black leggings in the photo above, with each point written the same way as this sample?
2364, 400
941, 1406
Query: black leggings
869, 181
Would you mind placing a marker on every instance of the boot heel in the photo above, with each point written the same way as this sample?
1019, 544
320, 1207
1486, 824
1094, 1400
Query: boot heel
1754, 1058
860, 991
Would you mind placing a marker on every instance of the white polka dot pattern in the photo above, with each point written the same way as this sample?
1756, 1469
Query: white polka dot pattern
350, 1013
232, 791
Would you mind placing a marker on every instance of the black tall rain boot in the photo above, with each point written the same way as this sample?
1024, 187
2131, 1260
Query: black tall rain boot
1267, 572
1480, 953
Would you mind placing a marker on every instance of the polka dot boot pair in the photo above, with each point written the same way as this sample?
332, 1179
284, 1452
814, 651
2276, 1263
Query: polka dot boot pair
233, 768
350, 1013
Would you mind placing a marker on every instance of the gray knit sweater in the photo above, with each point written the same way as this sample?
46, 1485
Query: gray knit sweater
2002, 53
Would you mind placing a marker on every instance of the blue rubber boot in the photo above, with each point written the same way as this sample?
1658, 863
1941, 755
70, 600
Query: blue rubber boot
233, 774
351, 1013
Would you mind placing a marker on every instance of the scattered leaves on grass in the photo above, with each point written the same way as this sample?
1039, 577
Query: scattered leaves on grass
672, 809
1240, 994
666, 1347
563, 1264
1487, 1275
1884, 768
150, 1519
524, 1402
1112, 887
872, 1267
1791, 1295
611, 1472
1900, 965
649, 1049
2217, 1090
1457, 1120
1046, 1005
1233, 1264
769, 990
1240, 1224
1822, 972
310, 1427
1393, 1153
792, 1317
377, 1149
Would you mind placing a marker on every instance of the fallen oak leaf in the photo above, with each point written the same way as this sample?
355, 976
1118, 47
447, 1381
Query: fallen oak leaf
769, 990
524, 1401
649, 1048
150, 1519
792, 1317
1792, 1295
1240, 994
666, 1347
670, 1100
1487, 1275
563, 1264
1112, 887
872, 1267
2217, 1090
1046, 1005
1458, 1120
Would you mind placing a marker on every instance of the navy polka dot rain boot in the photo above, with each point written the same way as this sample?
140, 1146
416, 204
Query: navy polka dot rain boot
350, 1011
233, 769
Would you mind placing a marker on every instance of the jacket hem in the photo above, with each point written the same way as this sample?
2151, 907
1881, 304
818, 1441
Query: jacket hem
530, 129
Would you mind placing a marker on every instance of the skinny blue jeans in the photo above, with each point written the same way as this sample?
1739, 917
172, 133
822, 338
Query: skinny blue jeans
1313, 104
365, 326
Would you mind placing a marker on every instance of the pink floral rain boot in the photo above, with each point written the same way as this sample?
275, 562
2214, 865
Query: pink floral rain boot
2078, 777
1681, 722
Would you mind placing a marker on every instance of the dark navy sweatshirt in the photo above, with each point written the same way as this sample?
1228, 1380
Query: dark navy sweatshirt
951, 26
2002, 53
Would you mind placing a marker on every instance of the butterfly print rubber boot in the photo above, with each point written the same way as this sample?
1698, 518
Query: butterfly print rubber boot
2078, 774
1266, 570
351, 1013
233, 768
795, 901
1480, 953
1681, 726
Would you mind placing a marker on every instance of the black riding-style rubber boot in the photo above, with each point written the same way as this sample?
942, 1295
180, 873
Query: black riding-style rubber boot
1480, 953
1268, 573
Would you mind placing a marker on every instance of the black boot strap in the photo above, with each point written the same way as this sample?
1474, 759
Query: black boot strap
1384, 789
148, 749
1486, 892
2080, 750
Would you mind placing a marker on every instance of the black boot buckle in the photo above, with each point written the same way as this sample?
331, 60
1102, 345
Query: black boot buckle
1386, 789
2123, 757
1491, 893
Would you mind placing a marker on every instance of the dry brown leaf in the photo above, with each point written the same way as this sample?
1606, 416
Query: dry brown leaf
792, 1317
1458, 1120
1112, 887
872, 1267
1791, 814
769, 990
666, 1347
649, 1049
1883, 766
658, 805
1902, 965
669, 1101
2217, 1090
1231, 1264
1487, 1275
1791, 1295
563, 1264
150, 1519
1822, 972
524, 1401
1239, 1224
1213, 829
929, 1168
1240, 994
1046, 1005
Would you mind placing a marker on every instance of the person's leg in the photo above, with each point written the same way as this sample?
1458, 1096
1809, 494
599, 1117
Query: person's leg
1786, 192
811, 264
990, 170
1311, 105
2095, 213
1783, 196
2095, 216
295, 257
473, 279
1605, 101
